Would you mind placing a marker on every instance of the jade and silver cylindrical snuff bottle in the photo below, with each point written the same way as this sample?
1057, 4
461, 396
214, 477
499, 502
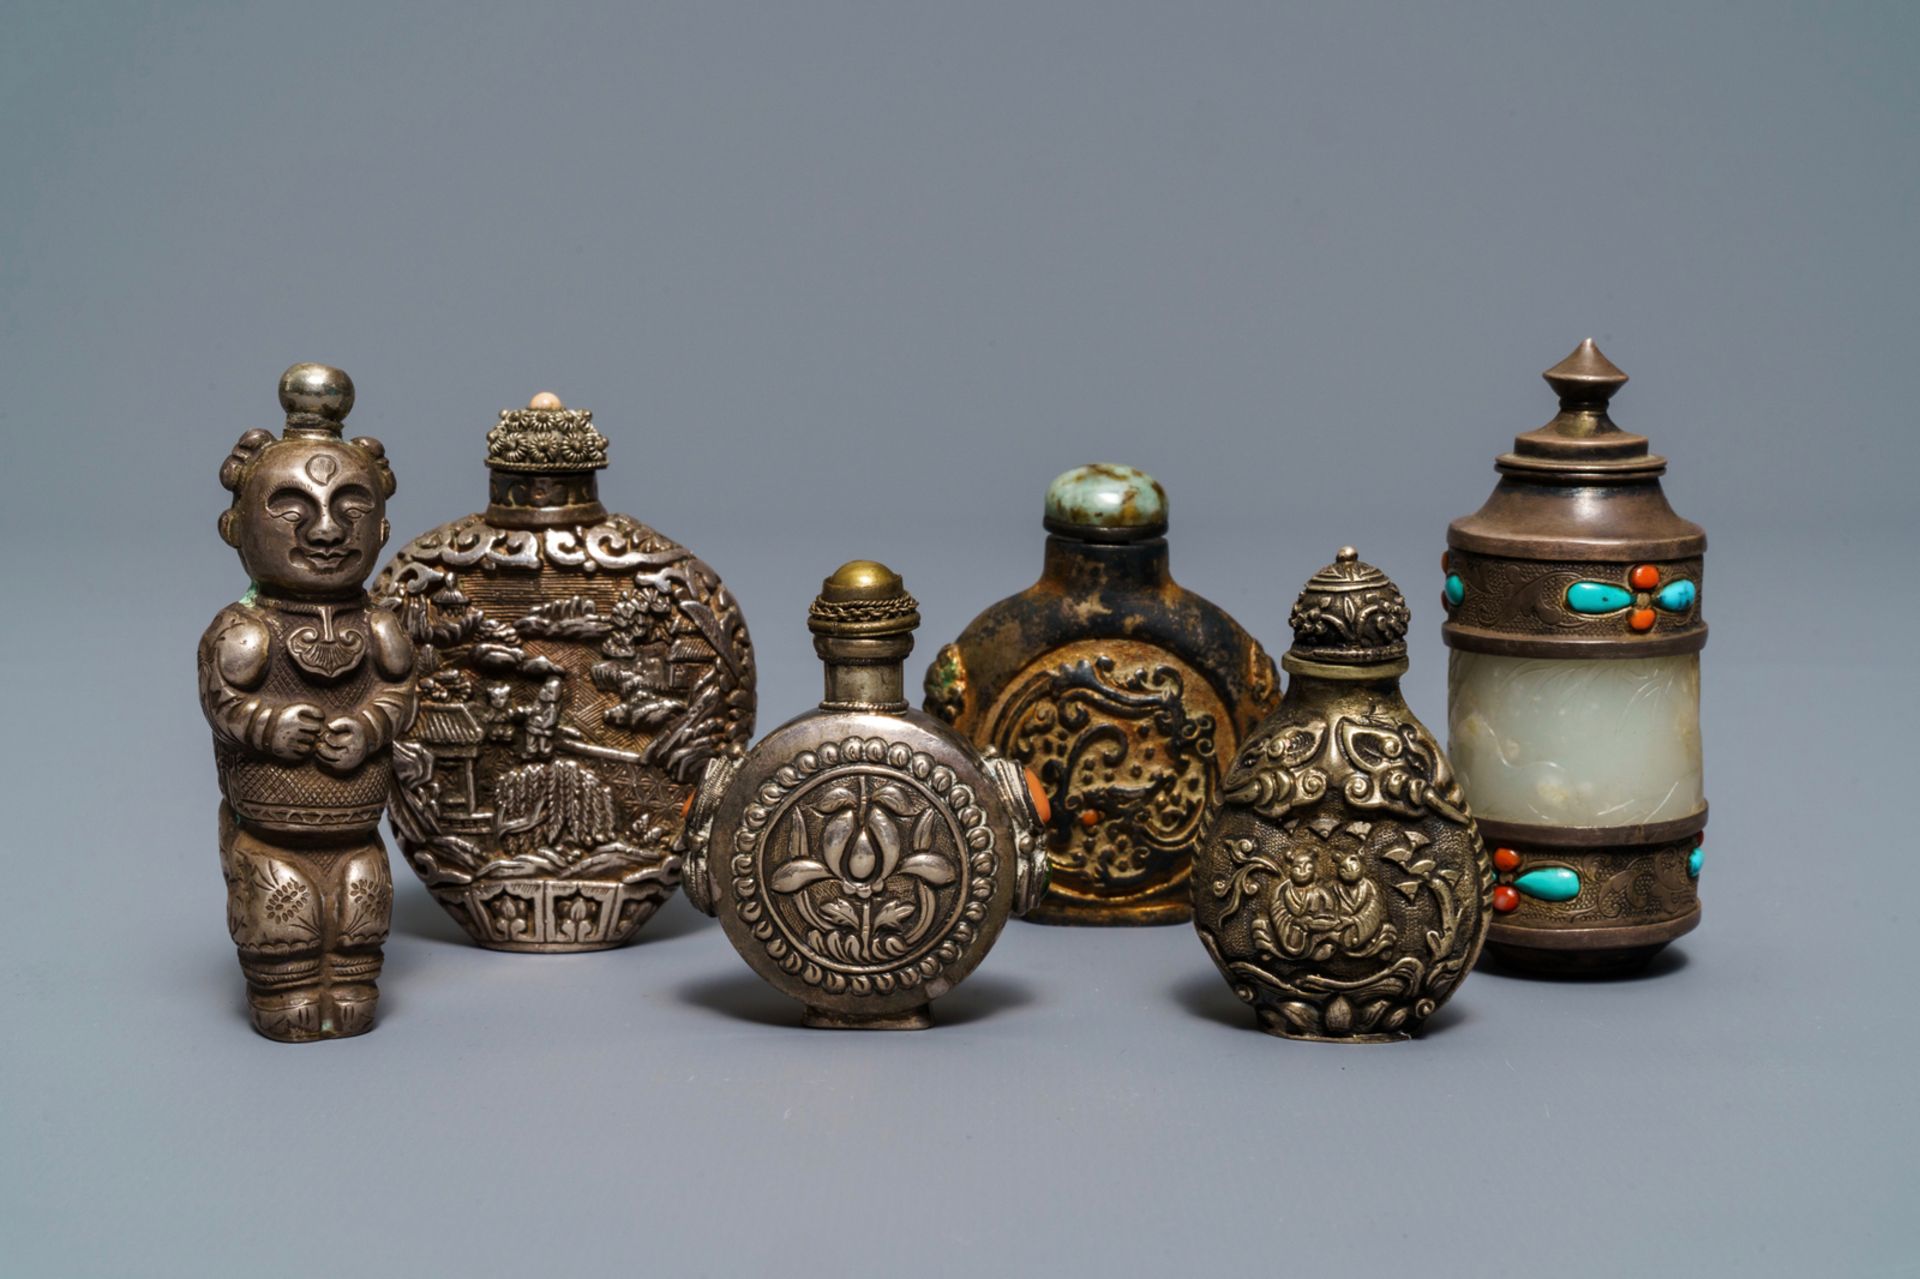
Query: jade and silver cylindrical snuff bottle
1573, 601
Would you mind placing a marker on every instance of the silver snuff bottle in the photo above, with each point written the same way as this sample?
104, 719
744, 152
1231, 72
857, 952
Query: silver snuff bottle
306, 685
864, 856
1342, 887
577, 670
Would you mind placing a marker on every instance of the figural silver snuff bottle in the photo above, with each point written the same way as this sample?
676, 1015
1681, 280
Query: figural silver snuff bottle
305, 685
1124, 692
577, 669
1342, 887
863, 857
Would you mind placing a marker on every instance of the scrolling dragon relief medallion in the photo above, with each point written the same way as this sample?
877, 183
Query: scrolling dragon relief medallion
864, 867
1127, 740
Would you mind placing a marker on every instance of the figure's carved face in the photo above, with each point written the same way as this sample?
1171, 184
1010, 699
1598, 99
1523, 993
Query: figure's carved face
1301, 868
311, 519
1349, 868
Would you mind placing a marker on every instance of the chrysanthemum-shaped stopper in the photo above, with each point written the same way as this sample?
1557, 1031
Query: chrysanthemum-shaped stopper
1350, 614
546, 437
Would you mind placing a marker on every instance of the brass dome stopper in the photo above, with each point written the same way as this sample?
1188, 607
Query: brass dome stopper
1106, 502
863, 599
316, 397
1350, 614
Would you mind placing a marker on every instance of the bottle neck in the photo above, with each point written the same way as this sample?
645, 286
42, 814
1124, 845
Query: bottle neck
1320, 683
864, 674
1094, 566
526, 499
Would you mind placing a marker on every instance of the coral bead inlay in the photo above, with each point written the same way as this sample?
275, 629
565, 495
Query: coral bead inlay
1643, 598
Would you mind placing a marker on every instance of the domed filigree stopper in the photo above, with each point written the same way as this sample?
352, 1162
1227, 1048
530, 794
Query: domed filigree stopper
546, 437
1350, 614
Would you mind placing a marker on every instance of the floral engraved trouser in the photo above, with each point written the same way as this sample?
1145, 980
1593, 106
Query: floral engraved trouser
309, 924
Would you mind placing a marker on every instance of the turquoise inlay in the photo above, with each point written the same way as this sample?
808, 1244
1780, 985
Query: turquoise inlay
1456, 589
253, 593
1106, 495
1676, 596
1694, 859
1597, 597
1550, 884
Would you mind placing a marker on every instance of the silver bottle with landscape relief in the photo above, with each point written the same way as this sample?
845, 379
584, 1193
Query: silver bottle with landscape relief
577, 671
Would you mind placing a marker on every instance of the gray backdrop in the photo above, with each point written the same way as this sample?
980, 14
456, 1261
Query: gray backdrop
857, 280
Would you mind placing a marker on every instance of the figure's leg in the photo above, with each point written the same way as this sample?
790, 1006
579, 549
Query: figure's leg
274, 916
361, 908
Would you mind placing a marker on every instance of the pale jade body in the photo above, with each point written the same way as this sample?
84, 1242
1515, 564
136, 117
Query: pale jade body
1577, 742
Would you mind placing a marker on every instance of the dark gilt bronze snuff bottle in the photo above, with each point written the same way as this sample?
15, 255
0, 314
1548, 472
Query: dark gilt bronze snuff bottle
1124, 692
1573, 602
864, 856
577, 670
1342, 886
306, 685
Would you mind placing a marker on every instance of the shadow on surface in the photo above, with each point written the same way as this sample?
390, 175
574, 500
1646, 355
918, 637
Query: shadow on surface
744, 996
677, 918
416, 914
1668, 961
1207, 995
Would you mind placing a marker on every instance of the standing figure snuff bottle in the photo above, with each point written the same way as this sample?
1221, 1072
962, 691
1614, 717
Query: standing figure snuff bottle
306, 685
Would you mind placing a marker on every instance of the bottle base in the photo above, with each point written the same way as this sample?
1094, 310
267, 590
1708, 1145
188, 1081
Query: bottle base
920, 1018
1538, 961
1576, 953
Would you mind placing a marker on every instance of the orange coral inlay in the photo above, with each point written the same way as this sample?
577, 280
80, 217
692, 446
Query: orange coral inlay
1642, 619
1505, 898
1089, 818
1505, 859
1446, 561
1644, 577
686, 805
1039, 797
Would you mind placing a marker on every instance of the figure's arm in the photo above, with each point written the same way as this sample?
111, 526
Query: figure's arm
387, 711
233, 661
